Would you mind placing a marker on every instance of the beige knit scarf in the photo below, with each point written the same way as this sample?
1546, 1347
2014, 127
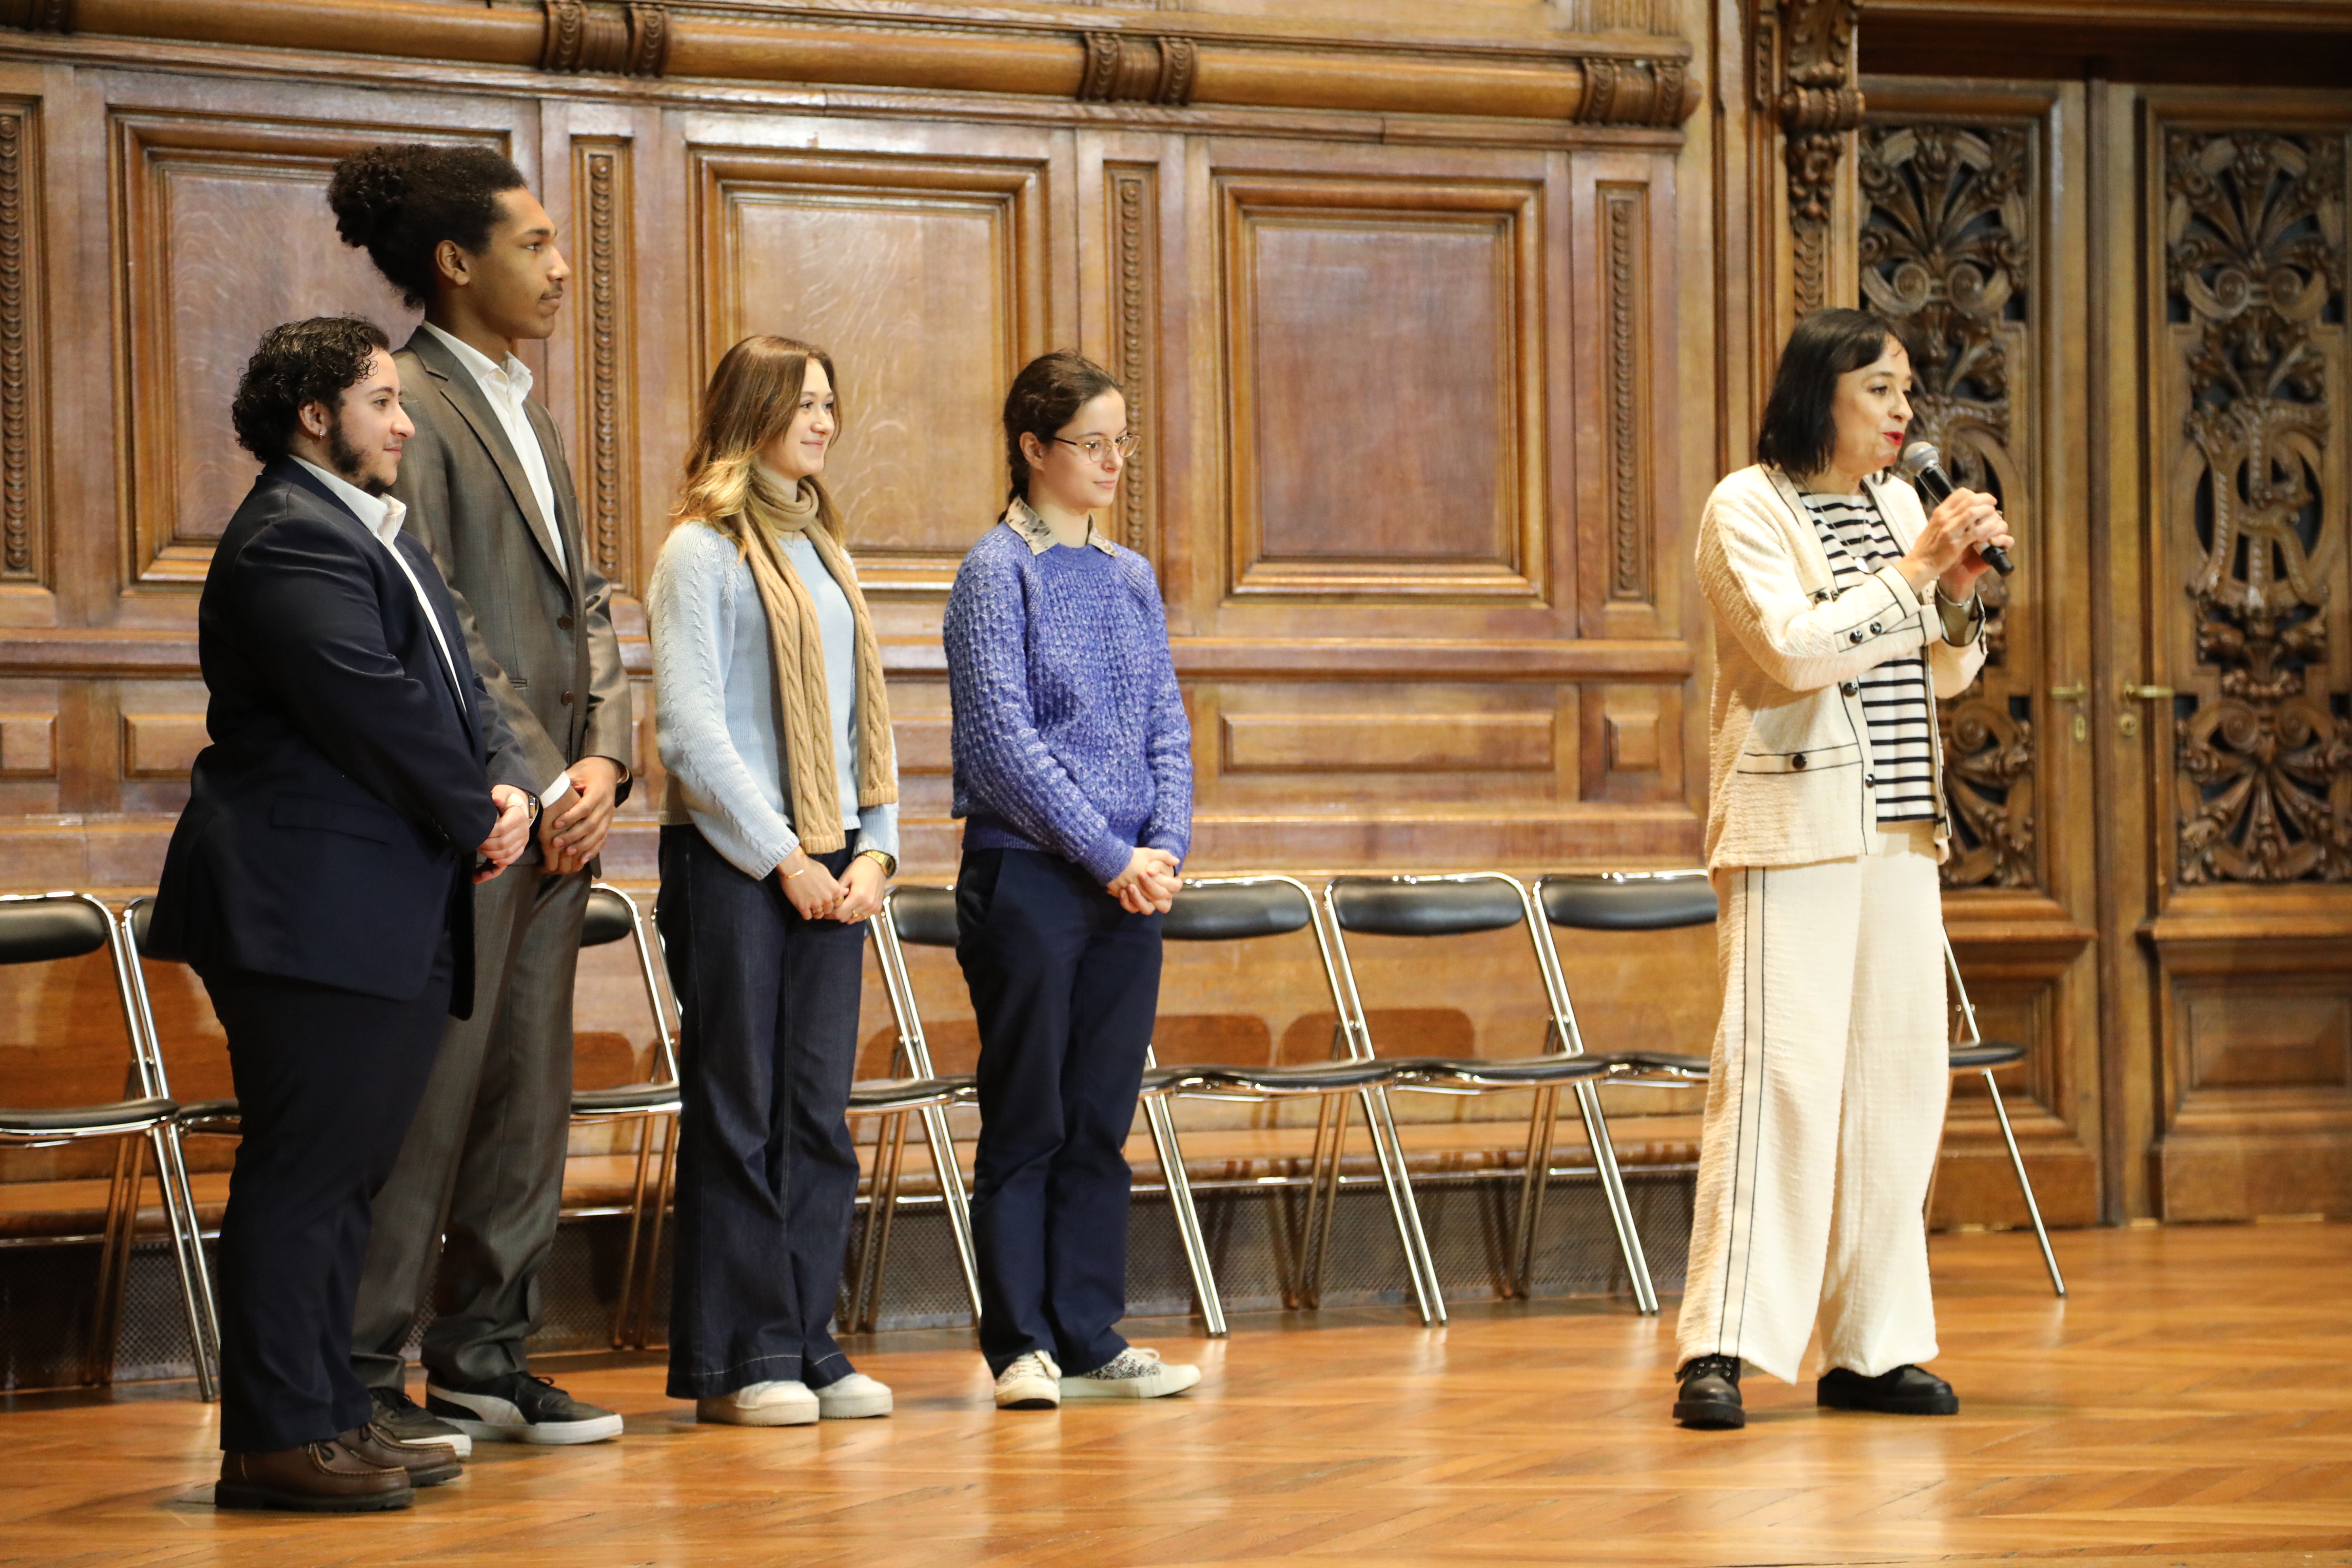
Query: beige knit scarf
770, 516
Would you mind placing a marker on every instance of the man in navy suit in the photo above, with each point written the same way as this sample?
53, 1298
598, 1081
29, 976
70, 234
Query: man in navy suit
320, 882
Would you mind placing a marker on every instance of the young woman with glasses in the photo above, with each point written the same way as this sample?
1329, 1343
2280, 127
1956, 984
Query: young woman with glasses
1074, 776
780, 829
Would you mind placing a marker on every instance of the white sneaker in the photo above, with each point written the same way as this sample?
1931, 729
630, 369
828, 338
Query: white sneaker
761, 1404
1032, 1382
853, 1397
1133, 1374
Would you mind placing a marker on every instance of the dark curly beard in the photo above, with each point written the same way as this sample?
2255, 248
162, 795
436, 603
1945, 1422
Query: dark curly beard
345, 457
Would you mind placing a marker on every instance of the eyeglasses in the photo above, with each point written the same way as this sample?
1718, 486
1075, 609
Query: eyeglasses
1094, 446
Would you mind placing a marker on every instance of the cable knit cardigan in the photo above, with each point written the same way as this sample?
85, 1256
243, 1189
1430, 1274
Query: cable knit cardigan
1792, 777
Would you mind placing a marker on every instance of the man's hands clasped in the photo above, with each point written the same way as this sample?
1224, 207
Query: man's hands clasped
1150, 883
571, 831
507, 839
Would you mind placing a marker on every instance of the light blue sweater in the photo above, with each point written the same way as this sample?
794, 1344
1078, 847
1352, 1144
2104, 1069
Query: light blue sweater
716, 718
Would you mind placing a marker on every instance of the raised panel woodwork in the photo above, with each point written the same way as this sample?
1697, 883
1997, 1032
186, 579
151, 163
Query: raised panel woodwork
603, 248
24, 523
1388, 743
161, 745
28, 745
924, 278
2268, 1036
1384, 362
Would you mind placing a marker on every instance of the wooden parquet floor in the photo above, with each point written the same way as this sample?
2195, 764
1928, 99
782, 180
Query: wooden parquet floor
2189, 1405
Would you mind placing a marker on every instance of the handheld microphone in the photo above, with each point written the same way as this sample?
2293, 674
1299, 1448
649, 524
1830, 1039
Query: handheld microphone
1924, 466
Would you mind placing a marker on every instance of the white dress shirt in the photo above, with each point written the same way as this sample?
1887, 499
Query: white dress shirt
382, 515
505, 387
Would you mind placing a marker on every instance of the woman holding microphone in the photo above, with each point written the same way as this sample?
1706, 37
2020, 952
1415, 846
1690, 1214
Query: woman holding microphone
780, 829
1074, 775
1841, 612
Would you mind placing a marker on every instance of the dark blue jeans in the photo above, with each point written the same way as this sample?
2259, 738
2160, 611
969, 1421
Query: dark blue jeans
1066, 984
767, 1171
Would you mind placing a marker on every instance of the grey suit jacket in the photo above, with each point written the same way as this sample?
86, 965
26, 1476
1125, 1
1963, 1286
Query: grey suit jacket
539, 636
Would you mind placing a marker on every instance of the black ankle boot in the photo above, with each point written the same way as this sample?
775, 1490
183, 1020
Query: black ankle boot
1905, 1391
1710, 1394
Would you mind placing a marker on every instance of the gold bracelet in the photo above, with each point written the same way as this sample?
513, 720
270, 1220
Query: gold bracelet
788, 876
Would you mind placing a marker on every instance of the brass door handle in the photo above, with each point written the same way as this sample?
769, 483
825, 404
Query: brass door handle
2069, 693
2147, 693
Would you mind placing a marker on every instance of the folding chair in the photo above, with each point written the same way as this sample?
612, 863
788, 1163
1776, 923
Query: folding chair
613, 916
1235, 909
1607, 902
1462, 905
1973, 1053
39, 928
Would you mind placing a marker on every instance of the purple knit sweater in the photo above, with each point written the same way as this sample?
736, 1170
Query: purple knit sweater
1070, 735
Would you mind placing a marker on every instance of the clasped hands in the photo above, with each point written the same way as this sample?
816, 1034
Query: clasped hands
1148, 885
816, 894
505, 845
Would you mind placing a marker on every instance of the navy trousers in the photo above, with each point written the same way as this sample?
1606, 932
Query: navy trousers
327, 1082
767, 1173
1066, 984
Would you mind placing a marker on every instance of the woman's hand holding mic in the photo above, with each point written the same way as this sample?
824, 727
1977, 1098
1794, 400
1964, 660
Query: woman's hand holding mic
1945, 554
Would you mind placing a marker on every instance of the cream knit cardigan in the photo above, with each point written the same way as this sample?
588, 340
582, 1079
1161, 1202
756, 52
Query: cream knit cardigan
1792, 777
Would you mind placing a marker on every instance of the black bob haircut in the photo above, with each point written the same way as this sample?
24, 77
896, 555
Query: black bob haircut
399, 203
1799, 430
299, 364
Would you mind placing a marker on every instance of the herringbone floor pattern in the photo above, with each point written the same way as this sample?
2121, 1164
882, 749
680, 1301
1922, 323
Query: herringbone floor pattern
2187, 1405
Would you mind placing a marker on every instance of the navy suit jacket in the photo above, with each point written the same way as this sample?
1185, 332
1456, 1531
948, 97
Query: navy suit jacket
331, 827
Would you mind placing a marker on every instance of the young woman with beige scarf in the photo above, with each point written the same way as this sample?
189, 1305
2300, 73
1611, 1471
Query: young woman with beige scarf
780, 829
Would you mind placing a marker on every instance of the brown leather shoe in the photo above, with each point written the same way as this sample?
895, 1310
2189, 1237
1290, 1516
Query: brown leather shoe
427, 1464
316, 1478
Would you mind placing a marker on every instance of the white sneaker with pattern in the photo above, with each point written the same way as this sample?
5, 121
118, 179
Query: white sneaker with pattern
1133, 1374
780, 1403
1032, 1382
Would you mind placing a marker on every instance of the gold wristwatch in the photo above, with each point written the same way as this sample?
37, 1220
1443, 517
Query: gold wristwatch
889, 861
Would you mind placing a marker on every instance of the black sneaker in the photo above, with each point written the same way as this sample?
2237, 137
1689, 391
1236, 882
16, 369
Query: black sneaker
406, 1422
516, 1407
1905, 1391
1710, 1394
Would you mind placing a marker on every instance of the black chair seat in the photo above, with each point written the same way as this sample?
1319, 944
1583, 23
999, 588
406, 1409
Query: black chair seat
1275, 1078
24, 1125
1627, 901
1410, 906
1661, 1064
1976, 1056
629, 1099
875, 1096
1214, 914
926, 917
1501, 1072
217, 1116
610, 918
37, 927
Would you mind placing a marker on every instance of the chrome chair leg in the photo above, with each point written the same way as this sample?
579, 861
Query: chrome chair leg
1428, 1294
188, 1253
1161, 1119
627, 1294
1322, 1196
1621, 1207
1535, 1179
949, 1173
2033, 1209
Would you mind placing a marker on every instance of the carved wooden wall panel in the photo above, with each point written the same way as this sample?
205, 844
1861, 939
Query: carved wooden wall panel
1384, 346
24, 556
604, 330
925, 277
222, 232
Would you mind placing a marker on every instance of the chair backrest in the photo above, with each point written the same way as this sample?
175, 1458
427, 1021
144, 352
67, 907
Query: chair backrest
1425, 906
1233, 908
1627, 901
611, 917
37, 928
924, 916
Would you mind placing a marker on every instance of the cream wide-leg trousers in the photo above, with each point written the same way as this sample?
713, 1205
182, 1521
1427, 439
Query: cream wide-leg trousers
1825, 1106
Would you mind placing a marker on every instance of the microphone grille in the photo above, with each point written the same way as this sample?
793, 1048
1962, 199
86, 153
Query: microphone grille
1916, 458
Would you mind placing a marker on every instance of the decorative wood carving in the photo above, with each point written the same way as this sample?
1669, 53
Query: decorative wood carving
38, 16
1945, 251
2254, 260
601, 181
20, 523
1335, 487
1625, 227
1129, 67
1134, 201
1634, 92
1818, 106
632, 40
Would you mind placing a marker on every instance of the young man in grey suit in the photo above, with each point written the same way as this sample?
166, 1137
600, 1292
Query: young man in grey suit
489, 495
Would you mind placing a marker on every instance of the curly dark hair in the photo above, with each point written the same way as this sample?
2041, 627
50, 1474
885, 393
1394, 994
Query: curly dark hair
299, 363
399, 203
1799, 433
1046, 395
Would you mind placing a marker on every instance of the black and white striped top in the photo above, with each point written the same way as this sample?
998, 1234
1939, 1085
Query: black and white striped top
1896, 695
